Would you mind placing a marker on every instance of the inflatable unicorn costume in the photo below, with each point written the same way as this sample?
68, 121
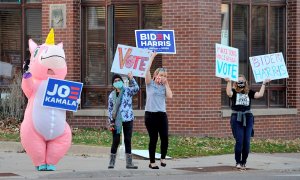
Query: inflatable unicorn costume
45, 134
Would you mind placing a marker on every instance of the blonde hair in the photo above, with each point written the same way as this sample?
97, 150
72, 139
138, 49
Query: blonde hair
158, 70
245, 89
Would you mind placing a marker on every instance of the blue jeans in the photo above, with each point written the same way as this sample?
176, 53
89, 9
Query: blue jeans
242, 136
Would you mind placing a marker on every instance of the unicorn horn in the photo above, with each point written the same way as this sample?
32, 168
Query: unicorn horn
50, 38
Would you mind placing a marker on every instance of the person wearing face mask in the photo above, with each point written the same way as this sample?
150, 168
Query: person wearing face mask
120, 116
242, 119
156, 119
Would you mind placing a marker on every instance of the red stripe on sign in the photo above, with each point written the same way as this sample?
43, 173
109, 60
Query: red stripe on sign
74, 92
75, 88
159, 36
72, 97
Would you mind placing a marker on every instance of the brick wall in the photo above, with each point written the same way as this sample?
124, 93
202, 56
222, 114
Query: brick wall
91, 121
70, 36
284, 127
195, 107
293, 53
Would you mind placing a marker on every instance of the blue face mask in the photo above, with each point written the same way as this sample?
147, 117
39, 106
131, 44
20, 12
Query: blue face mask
118, 84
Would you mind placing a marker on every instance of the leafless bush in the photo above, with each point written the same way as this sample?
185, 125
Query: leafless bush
12, 103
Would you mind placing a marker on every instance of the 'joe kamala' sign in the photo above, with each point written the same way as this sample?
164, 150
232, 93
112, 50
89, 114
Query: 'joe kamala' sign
62, 94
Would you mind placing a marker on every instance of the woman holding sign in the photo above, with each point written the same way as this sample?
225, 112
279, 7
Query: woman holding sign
156, 119
242, 118
120, 114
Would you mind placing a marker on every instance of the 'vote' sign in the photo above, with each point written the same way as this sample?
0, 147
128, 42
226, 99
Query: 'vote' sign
62, 94
131, 59
268, 66
227, 62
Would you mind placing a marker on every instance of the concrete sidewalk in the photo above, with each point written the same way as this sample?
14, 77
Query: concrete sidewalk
87, 162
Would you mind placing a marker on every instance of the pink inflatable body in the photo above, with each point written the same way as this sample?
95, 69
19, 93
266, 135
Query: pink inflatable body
45, 134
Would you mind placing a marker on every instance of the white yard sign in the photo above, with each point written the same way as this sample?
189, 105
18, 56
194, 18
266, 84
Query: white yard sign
227, 62
268, 66
131, 59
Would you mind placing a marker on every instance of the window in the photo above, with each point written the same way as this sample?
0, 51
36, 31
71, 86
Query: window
33, 28
93, 55
256, 29
13, 40
152, 19
277, 44
10, 45
225, 24
103, 28
126, 20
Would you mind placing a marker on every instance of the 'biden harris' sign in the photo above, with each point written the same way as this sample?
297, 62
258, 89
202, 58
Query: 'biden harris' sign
268, 66
62, 94
161, 41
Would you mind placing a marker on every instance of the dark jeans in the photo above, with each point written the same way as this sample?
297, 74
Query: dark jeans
242, 137
157, 123
127, 128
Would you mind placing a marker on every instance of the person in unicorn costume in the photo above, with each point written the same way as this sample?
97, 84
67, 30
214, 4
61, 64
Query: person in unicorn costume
45, 134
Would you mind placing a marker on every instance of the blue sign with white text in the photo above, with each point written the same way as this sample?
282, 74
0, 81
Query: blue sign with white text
161, 41
62, 94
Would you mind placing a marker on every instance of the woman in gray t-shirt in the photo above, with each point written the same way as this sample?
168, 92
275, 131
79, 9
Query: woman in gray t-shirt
156, 119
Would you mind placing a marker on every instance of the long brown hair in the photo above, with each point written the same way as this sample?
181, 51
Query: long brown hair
244, 90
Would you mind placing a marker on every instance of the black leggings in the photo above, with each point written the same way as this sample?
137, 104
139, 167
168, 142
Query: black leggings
157, 123
127, 128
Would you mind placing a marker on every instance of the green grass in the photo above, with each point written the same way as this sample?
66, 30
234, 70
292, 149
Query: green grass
4, 136
179, 147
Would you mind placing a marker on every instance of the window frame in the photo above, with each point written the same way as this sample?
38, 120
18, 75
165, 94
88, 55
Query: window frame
23, 6
107, 87
86, 88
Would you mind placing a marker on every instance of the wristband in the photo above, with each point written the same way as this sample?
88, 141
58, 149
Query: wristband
27, 75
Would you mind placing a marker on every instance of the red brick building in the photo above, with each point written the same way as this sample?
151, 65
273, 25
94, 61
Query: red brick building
91, 30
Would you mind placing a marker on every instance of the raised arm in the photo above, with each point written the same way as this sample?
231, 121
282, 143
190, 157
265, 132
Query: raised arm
228, 87
148, 74
27, 85
133, 85
262, 89
169, 93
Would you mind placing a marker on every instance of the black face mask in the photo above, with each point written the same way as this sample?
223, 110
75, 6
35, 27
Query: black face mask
241, 84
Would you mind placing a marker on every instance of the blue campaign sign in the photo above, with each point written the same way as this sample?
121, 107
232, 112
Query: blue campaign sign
62, 94
161, 41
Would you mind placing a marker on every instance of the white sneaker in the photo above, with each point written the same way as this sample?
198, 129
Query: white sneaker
238, 166
244, 167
